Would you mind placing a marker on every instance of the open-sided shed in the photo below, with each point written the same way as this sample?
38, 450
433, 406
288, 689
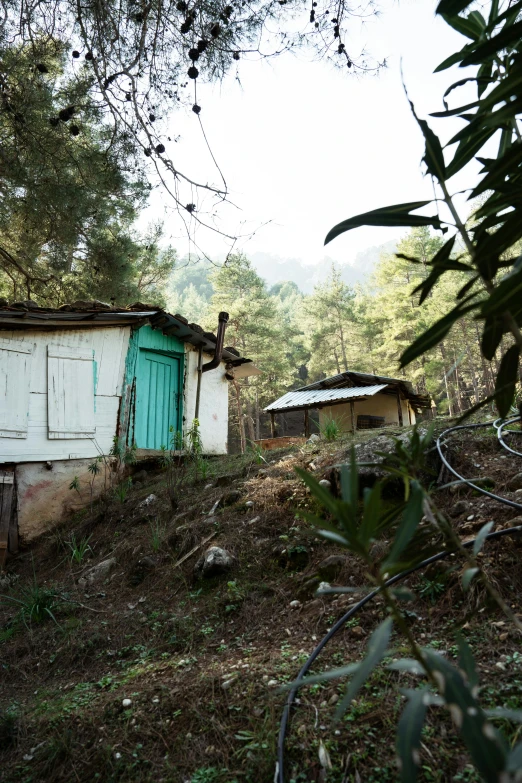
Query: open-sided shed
354, 400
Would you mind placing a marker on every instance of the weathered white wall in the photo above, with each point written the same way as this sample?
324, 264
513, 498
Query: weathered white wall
213, 403
109, 345
44, 497
378, 405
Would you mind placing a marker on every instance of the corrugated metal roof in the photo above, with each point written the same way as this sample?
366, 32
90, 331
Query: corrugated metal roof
310, 397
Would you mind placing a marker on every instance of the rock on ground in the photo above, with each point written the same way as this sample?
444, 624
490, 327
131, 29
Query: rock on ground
215, 561
97, 573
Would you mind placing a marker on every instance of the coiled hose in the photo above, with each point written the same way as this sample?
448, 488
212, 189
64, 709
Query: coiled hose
499, 425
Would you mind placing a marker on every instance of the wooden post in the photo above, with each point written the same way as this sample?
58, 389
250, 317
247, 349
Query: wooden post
306, 423
272, 424
6, 497
352, 416
399, 408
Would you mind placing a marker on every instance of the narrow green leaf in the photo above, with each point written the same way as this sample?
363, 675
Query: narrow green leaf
468, 575
466, 660
452, 59
506, 380
514, 761
433, 154
466, 26
483, 742
467, 149
432, 336
481, 537
371, 514
491, 336
452, 7
377, 647
506, 293
331, 674
406, 665
397, 215
409, 733
320, 493
503, 713
466, 288
510, 34
410, 521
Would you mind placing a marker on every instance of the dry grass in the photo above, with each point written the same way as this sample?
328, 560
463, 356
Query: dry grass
156, 635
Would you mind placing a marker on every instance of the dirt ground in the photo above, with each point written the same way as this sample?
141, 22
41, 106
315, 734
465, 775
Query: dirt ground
153, 673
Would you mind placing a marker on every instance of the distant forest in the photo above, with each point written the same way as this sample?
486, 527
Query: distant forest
298, 337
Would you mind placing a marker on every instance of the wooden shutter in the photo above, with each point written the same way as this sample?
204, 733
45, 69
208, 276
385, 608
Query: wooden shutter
15, 381
70, 393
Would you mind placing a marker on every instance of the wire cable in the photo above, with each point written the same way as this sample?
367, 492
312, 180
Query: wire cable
279, 776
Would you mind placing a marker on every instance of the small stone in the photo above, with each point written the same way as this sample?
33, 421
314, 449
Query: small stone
358, 631
295, 604
460, 507
148, 501
226, 685
155, 700
503, 636
117, 756
501, 666
515, 482
254, 520
272, 683
249, 504
471, 516
313, 439
126, 703
333, 699
323, 586
325, 483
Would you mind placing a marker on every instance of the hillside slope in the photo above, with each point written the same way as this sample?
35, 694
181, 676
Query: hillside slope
155, 672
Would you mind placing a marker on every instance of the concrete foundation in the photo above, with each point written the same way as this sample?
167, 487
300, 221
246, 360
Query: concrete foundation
44, 497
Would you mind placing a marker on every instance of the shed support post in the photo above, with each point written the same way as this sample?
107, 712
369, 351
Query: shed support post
6, 498
306, 423
352, 416
272, 424
399, 408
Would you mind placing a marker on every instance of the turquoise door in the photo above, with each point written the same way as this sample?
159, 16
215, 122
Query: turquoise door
158, 403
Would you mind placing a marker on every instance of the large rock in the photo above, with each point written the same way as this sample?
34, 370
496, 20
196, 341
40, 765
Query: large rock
330, 568
515, 482
97, 573
214, 562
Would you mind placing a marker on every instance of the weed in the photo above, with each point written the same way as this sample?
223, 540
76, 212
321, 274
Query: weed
257, 452
79, 549
206, 775
36, 603
122, 489
157, 531
331, 429
8, 728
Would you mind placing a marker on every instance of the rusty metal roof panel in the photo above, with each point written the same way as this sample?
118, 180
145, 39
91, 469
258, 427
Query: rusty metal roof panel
303, 398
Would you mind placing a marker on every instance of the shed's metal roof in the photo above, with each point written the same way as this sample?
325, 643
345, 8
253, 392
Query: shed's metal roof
307, 398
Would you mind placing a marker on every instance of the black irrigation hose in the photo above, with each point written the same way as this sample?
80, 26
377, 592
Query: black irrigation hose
500, 429
279, 772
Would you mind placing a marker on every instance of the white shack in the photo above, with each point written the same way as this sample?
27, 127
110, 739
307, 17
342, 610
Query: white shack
354, 400
74, 379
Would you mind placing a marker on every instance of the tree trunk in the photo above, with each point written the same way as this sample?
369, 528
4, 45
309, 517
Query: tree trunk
446, 382
470, 362
249, 419
240, 420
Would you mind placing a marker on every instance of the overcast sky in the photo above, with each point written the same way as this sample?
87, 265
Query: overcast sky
303, 146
